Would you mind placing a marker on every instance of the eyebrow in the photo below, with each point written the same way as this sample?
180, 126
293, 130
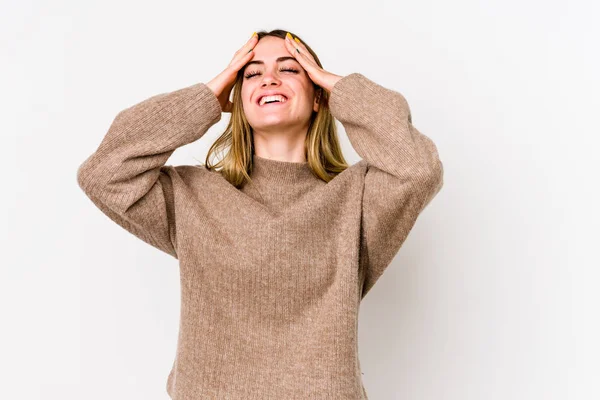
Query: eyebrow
279, 59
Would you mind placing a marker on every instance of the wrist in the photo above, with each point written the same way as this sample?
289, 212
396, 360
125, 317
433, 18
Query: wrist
331, 81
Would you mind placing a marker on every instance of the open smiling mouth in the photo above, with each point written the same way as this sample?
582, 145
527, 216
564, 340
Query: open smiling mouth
272, 101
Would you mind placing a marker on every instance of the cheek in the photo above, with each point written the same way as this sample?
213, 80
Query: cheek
246, 100
246, 91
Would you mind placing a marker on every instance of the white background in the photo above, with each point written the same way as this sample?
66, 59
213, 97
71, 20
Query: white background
494, 295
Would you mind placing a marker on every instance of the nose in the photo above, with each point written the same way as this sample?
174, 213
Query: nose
270, 79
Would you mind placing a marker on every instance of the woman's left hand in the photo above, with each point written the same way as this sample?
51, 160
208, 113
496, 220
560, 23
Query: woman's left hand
318, 75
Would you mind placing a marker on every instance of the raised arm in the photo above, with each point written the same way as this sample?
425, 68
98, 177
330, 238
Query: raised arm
126, 177
404, 171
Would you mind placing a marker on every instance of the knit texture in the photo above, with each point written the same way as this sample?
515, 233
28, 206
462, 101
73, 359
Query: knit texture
272, 274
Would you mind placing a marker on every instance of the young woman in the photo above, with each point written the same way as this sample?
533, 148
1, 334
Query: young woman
280, 240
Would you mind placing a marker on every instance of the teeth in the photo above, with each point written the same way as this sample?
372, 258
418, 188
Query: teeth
279, 97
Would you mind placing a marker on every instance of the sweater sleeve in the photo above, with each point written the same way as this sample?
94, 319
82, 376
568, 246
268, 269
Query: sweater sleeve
403, 173
126, 177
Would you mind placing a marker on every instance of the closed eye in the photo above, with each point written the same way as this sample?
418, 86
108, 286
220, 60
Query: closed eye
253, 73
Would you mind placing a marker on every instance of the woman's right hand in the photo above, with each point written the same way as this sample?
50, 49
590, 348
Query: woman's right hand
222, 84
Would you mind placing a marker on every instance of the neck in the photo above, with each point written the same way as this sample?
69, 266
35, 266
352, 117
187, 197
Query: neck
282, 144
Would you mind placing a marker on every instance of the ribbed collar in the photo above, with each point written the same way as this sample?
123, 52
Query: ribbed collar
280, 172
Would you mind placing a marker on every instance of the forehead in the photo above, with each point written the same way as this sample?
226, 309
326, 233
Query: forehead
270, 46
270, 50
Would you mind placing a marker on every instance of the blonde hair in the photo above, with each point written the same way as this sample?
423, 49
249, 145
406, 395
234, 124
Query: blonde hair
322, 148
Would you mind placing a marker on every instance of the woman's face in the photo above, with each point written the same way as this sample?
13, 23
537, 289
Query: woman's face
264, 73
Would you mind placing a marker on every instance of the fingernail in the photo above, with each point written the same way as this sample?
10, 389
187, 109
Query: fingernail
252, 35
289, 36
297, 40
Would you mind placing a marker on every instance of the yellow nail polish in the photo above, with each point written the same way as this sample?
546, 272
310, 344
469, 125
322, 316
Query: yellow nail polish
297, 40
289, 36
252, 35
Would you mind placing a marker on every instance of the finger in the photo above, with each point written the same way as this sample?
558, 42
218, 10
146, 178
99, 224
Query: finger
292, 47
244, 54
292, 44
300, 51
241, 60
251, 43
307, 64
300, 46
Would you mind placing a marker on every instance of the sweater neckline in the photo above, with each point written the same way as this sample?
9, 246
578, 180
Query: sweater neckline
281, 172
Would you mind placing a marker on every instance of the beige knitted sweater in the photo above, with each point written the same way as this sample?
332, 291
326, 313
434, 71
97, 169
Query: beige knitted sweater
272, 274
